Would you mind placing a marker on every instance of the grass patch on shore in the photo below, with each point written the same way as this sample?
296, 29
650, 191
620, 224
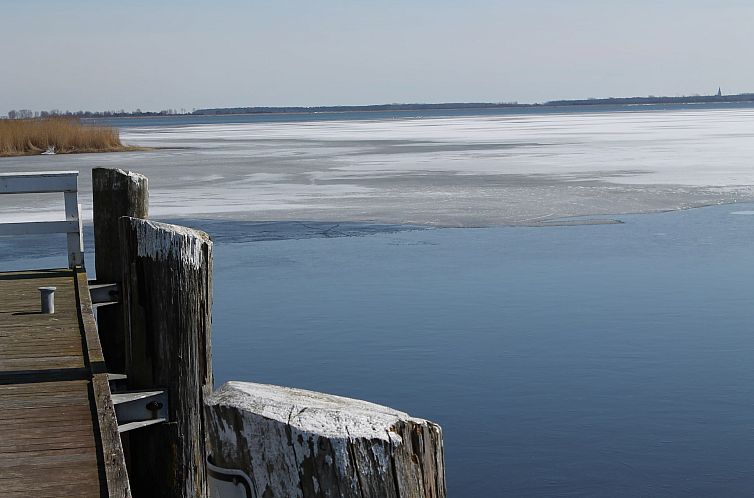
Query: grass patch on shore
23, 137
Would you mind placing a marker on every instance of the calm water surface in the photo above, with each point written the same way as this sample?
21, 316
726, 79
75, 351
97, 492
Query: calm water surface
608, 360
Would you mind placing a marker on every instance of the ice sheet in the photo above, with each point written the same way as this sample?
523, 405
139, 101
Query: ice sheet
458, 171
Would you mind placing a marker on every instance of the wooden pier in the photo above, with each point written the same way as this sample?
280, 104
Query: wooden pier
58, 432
66, 430
58, 426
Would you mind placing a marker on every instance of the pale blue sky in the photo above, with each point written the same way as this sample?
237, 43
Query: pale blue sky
102, 54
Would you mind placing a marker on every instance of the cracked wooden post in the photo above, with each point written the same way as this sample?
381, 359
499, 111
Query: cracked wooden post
115, 193
296, 443
168, 303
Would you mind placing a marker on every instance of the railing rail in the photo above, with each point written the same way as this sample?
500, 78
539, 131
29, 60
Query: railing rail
49, 182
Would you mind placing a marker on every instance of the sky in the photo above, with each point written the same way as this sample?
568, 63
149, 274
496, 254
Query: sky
161, 54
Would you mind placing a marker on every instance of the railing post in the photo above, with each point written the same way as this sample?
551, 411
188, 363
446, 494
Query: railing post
116, 193
48, 182
167, 291
75, 239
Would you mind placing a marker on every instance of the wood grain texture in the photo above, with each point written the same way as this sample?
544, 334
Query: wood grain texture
30, 340
48, 437
111, 448
115, 193
167, 290
43, 181
53, 438
297, 443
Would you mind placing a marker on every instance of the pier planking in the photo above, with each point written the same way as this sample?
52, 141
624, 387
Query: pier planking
58, 434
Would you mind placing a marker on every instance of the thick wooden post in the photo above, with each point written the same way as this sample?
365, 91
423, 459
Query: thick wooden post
116, 193
167, 290
295, 443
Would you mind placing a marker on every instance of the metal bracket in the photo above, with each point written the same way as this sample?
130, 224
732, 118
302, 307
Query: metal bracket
117, 382
136, 409
229, 483
104, 294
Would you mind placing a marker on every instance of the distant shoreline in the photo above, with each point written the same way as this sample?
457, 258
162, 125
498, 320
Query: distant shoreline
743, 98
459, 106
178, 119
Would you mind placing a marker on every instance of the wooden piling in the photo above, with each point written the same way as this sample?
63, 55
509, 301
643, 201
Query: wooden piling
167, 291
304, 444
116, 193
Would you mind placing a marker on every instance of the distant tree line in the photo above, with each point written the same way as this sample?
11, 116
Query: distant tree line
356, 108
29, 114
692, 99
745, 97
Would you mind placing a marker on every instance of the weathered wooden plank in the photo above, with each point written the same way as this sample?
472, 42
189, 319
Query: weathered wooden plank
32, 342
297, 443
39, 227
40, 444
36, 346
17, 353
81, 485
33, 427
39, 402
39, 334
45, 347
116, 476
79, 481
42, 363
76, 485
50, 341
63, 433
39, 435
39, 183
47, 457
94, 356
43, 418
112, 451
79, 488
76, 392
53, 429
20, 306
74, 398
116, 193
67, 472
45, 387
167, 290
47, 399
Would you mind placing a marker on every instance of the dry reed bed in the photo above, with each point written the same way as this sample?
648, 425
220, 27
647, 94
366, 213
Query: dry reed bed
20, 137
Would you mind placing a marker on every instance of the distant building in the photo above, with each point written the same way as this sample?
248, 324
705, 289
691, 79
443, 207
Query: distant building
719, 91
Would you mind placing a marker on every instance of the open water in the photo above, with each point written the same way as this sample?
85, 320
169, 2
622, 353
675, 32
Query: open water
592, 360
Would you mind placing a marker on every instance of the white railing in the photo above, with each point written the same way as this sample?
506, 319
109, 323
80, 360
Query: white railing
47, 182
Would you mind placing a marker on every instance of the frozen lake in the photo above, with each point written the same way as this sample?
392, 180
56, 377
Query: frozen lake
588, 360
441, 171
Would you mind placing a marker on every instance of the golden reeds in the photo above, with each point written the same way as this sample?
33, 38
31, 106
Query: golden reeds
19, 137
